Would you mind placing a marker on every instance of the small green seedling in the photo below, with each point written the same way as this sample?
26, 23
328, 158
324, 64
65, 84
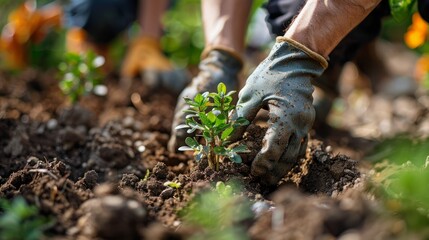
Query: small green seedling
146, 176
208, 114
223, 189
80, 74
18, 220
174, 184
219, 213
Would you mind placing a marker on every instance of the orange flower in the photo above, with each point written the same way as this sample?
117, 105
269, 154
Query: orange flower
422, 67
417, 32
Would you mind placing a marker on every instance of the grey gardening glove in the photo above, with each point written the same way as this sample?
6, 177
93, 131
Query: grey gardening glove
218, 66
282, 85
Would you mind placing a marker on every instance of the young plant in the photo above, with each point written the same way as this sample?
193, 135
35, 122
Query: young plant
175, 184
18, 220
219, 213
80, 74
208, 114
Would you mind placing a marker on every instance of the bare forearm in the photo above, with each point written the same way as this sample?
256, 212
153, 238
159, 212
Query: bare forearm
150, 17
322, 24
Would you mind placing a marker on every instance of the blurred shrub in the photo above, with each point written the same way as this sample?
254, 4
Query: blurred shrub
21, 221
218, 213
400, 178
183, 40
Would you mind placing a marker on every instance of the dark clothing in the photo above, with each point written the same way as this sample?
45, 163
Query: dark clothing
103, 20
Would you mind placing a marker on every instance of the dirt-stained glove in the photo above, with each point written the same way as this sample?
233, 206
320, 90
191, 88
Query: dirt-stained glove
218, 66
27, 24
282, 85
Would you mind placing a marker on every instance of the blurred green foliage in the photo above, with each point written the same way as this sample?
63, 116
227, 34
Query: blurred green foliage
399, 150
400, 178
218, 213
402, 9
80, 74
183, 41
20, 221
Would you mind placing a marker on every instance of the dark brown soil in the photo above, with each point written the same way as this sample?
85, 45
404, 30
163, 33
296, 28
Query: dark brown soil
99, 170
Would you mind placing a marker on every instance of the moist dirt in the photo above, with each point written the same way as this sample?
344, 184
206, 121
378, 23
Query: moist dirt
98, 170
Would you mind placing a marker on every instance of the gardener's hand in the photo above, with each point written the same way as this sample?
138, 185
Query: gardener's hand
145, 58
218, 66
282, 85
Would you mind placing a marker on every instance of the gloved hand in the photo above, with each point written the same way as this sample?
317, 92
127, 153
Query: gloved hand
282, 85
218, 66
145, 58
27, 24
144, 54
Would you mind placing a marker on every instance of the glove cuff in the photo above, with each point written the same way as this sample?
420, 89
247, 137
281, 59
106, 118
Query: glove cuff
231, 52
323, 62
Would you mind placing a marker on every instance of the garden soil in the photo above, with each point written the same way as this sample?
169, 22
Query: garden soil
98, 170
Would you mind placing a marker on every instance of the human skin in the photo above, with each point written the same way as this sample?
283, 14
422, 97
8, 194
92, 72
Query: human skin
322, 24
150, 17
225, 23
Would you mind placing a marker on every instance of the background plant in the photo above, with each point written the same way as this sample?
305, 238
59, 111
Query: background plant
218, 213
80, 74
208, 114
400, 180
20, 221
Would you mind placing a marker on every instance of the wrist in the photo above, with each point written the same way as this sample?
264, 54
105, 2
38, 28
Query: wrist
322, 24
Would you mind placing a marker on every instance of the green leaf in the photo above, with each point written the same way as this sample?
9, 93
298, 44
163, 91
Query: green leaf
191, 111
226, 133
191, 142
195, 125
185, 148
207, 137
199, 156
227, 100
220, 150
230, 93
401, 9
241, 121
220, 119
191, 130
204, 119
235, 157
211, 117
240, 148
220, 186
182, 126
199, 98
221, 88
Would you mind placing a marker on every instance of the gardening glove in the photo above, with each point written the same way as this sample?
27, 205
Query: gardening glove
217, 66
27, 24
282, 85
145, 58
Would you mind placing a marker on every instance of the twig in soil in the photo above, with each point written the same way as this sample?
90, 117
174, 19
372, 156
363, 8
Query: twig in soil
138, 103
44, 170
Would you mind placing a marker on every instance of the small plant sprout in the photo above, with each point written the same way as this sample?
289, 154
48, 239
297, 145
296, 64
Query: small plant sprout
80, 75
146, 176
174, 184
223, 189
208, 114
